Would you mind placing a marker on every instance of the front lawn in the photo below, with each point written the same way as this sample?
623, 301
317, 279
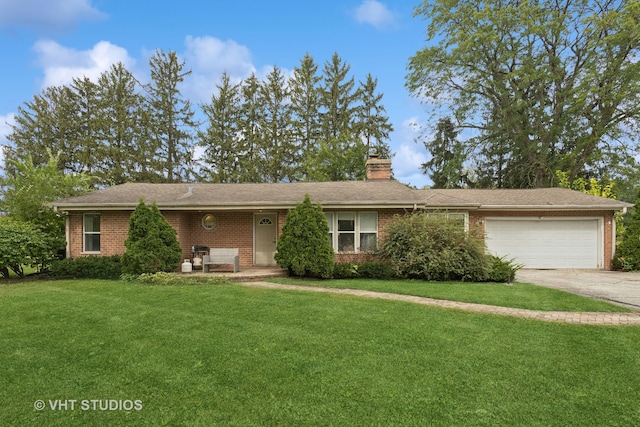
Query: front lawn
207, 355
516, 295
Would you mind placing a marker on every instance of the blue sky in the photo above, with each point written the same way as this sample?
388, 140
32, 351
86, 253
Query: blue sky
49, 42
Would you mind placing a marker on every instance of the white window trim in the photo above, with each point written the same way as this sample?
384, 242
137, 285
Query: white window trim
333, 229
447, 213
85, 232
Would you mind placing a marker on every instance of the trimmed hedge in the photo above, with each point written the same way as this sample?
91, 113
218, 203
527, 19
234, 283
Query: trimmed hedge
92, 267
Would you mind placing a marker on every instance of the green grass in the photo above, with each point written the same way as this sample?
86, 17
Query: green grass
516, 295
208, 355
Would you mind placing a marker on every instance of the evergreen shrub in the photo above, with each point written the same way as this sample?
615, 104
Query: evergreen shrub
152, 244
304, 248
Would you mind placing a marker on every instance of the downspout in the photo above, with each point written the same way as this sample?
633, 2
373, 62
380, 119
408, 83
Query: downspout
614, 232
67, 233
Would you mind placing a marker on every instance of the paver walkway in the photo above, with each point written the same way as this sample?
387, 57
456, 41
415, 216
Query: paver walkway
587, 318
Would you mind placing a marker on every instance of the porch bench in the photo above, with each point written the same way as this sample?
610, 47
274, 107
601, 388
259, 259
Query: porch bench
222, 256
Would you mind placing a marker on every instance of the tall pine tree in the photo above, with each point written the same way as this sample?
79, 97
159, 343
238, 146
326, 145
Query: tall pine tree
305, 108
222, 153
171, 118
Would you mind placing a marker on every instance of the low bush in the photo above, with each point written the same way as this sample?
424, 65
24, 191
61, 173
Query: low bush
92, 267
502, 270
377, 270
345, 270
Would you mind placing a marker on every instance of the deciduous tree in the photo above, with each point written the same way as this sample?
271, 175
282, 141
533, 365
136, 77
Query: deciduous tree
546, 85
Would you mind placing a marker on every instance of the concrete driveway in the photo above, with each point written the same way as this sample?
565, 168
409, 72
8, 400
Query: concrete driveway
613, 286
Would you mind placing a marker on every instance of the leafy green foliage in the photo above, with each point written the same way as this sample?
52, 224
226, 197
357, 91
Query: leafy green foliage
592, 186
152, 243
27, 188
22, 244
541, 86
377, 270
502, 270
434, 248
91, 267
345, 270
627, 255
304, 248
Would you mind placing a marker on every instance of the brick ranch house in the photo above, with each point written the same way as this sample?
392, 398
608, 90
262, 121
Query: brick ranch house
540, 228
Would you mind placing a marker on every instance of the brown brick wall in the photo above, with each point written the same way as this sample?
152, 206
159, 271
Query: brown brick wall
235, 230
114, 227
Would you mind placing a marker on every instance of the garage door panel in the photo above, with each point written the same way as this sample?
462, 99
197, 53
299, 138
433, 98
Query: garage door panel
546, 243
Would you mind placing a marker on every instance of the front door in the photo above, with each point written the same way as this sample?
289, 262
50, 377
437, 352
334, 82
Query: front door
265, 226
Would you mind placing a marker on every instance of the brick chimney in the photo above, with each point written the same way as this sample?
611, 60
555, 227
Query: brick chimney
378, 169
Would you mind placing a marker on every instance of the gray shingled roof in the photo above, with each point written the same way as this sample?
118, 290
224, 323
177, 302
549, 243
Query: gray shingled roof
255, 196
343, 194
514, 199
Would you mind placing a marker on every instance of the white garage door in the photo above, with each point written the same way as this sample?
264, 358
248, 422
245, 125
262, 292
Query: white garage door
569, 243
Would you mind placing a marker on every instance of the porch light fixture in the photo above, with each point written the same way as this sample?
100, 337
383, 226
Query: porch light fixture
209, 221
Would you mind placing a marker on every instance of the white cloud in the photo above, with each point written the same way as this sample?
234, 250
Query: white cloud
374, 13
409, 155
61, 64
47, 15
208, 57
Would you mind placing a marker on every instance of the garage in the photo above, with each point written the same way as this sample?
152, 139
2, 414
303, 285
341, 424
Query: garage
547, 243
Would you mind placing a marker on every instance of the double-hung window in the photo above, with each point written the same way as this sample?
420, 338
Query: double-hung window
353, 231
368, 227
91, 232
329, 217
346, 232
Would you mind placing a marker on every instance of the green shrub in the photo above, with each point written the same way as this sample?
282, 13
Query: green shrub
92, 267
304, 248
502, 270
434, 248
345, 270
152, 244
627, 255
377, 270
22, 244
